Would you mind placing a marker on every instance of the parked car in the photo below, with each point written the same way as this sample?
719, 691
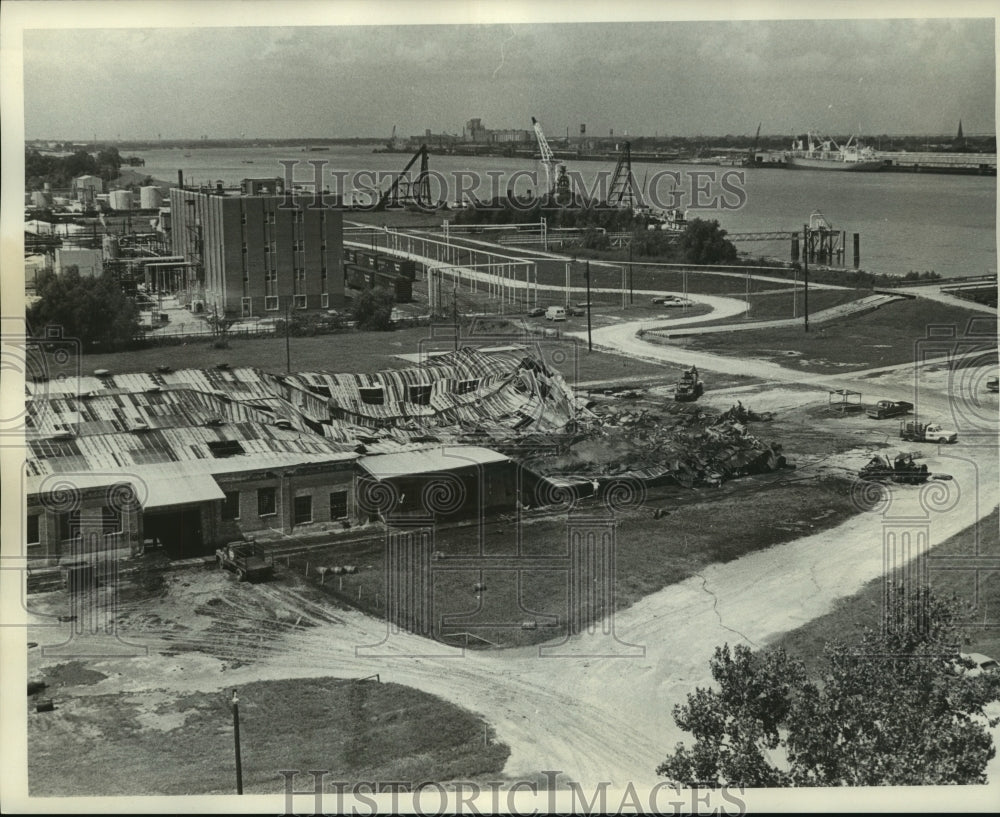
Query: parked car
889, 408
575, 311
981, 663
537, 312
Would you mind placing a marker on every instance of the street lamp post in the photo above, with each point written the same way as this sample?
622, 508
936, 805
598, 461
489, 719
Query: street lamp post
590, 341
236, 738
805, 276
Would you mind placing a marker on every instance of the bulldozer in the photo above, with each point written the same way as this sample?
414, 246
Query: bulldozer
689, 387
902, 470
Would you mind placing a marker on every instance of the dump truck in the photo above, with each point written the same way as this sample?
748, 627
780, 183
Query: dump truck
689, 387
926, 432
247, 560
889, 408
902, 470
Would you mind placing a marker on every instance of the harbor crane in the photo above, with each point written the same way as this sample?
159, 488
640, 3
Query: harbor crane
556, 181
622, 192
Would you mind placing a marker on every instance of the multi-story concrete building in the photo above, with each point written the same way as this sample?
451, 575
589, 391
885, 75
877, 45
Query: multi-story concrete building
253, 251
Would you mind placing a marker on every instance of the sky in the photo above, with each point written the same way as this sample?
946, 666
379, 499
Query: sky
870, 76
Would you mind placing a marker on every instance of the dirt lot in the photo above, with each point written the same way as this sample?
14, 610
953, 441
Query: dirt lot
175, 738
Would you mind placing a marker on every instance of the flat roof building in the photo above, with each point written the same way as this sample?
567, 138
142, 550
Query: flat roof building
253, 250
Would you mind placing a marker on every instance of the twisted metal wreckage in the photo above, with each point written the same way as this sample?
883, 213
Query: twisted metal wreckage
507, 399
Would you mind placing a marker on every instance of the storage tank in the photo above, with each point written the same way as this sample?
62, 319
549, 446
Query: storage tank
150, 197
39, 199
120, 200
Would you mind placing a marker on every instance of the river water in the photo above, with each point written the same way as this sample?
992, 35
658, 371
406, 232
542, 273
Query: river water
907, 221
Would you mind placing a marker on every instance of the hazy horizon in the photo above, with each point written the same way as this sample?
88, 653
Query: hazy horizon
876, 76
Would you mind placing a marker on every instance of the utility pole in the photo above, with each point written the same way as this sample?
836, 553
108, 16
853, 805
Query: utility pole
590, 341
236, 738
631, 291
805, 275
288, 347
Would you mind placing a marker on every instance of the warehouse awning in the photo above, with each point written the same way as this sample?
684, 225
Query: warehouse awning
163, 492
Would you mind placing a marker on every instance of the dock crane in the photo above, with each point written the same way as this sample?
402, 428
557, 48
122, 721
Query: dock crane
416, 191
556, 181
622, 193
751, 157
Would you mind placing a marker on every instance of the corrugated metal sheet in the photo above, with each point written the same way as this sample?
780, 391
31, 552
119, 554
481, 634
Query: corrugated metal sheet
505, 392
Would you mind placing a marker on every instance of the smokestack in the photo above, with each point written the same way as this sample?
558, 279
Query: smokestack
180, 179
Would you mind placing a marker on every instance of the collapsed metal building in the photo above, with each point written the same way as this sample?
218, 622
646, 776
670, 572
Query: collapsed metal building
195, 458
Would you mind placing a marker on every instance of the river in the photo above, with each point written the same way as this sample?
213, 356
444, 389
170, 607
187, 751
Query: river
907, 221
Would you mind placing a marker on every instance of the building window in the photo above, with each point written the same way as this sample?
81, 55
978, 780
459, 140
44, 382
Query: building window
271, 217
303, 510
421, 395
324, 300
243, 217
33, 533
338, 505
244, 248
271, 303
373, 396
300, 301
466, 386
111, 520
231, 505
266, 502
225, 448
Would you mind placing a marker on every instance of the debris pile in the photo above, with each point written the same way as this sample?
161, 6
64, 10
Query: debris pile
685, 446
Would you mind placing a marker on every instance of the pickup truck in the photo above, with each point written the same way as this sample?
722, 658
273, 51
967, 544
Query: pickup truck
246, 559
927, 432
889, 408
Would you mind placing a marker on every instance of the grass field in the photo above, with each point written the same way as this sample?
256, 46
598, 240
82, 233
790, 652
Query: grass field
852, 615
366, 352
699, 527
883, 337
155, 743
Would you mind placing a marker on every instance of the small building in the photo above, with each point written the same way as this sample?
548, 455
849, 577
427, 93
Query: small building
87, 188
443, 483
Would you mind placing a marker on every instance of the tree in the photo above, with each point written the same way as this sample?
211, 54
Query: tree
372, 309
896, 709
90, 309
704, 242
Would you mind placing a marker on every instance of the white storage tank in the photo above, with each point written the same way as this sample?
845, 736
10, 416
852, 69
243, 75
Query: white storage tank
120, 199
150, 197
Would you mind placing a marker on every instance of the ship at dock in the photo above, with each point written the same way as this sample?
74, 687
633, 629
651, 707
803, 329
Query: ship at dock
823, 153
